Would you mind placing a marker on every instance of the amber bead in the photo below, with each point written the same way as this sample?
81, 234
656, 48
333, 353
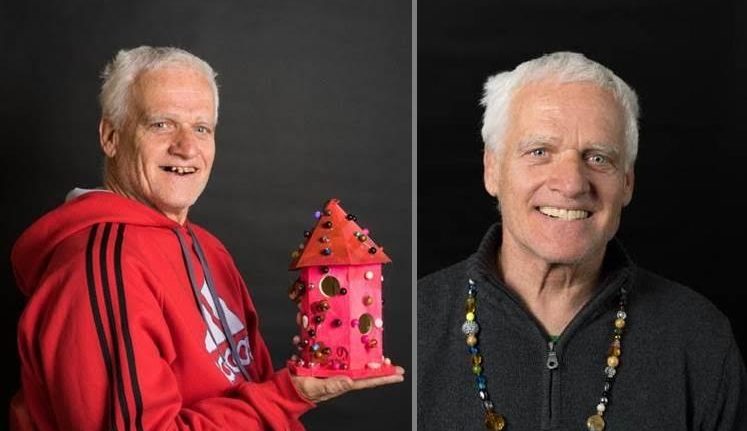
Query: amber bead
362, 238
476, 360
368, 300
619, 323
595, 423
471, 305
494, 421
471, 340
612, 361
615, 351
328, 224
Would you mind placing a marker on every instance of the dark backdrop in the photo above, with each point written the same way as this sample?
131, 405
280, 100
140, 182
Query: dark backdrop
315, 103
686, 60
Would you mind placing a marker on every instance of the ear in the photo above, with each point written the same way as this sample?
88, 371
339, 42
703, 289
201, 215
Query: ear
628, 182
108, 137
490, 171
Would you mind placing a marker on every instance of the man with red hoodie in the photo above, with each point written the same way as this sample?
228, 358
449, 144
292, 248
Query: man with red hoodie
137, 319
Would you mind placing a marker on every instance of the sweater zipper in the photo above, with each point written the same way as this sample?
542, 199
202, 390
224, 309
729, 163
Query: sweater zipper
552, 364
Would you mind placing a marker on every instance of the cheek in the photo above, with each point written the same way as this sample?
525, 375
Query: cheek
208, 153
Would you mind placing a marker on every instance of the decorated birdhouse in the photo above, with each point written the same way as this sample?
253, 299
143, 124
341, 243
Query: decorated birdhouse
339, 297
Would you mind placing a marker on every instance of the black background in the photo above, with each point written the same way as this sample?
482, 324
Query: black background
315, 103
688, 63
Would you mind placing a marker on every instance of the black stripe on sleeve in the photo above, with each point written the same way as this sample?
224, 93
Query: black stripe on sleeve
113, 326
126, 328
97, 316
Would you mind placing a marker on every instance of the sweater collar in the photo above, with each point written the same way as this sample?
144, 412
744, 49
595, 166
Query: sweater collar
617, 266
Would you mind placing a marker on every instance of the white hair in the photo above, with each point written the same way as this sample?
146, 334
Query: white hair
122, 72
561, 67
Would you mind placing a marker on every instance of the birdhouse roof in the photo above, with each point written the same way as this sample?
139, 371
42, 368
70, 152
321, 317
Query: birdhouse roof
337, 239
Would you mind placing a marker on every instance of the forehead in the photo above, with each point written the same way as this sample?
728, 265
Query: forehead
173, 88
582, 108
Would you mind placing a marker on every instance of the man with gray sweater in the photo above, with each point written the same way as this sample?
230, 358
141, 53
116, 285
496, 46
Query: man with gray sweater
550, 325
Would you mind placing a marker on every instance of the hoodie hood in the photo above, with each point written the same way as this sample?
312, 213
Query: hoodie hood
32, 251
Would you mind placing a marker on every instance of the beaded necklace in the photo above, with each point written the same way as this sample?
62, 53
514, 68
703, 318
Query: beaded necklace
495, 421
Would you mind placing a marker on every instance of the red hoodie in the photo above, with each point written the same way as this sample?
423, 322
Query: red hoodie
115, 336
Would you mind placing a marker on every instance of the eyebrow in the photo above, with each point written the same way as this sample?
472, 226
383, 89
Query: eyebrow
535, 139
149, 118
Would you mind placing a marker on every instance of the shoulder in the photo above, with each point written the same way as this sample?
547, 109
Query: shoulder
208, 240
439, 297
680, 315
674, 300
443, 285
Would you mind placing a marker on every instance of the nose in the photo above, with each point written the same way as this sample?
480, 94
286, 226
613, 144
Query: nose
568, 175
185, 144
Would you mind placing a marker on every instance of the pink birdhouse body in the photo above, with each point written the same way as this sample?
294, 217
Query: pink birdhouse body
339, 296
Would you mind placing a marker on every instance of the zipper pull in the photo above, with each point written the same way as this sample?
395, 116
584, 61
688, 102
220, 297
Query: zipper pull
552, 357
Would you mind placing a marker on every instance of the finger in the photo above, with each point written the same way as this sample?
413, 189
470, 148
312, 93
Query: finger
378, 381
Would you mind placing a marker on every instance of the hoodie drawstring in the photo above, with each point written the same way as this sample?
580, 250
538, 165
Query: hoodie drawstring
213, 293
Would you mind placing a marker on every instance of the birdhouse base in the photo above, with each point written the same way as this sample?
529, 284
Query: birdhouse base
356, 374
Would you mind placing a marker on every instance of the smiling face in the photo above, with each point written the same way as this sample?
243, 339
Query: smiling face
163, 153
560, 175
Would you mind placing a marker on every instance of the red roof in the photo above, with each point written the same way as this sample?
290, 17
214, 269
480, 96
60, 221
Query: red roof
337, 239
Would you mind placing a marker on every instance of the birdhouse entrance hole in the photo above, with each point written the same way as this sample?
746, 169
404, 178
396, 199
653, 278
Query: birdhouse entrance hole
330, 286
365, 323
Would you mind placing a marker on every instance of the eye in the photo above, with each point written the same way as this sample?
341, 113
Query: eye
538, 152
159, 125
202, 129
598, 159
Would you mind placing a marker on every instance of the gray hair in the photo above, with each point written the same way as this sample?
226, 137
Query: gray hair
561, 67
121, 73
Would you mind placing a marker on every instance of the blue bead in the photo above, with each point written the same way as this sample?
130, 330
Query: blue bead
482, 386
481, 380
473, 350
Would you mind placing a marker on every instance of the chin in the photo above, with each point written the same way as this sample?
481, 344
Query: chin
570, 255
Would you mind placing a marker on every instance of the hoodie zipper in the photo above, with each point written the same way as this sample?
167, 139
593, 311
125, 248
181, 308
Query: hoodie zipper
552, 357
552, 364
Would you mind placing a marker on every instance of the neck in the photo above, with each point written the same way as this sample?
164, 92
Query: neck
553, 292
111, 184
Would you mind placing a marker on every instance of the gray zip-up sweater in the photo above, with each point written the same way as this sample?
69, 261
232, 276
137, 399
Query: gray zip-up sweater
680, 367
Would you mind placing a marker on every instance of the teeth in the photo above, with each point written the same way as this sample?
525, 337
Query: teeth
181, 170
564, 214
